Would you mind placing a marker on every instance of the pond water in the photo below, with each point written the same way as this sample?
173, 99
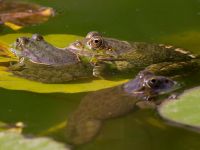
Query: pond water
173, 22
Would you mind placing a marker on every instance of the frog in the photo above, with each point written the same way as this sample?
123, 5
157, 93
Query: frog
97, 50
41, 61
85, 122
126, 56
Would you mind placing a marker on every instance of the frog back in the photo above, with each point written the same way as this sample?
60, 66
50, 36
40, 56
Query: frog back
145, 54
51, 55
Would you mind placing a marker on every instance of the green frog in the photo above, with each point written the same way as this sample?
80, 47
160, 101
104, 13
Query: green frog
41, 61
126, 56
96, 107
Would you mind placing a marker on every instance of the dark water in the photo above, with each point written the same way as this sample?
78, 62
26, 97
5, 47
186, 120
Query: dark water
173, 21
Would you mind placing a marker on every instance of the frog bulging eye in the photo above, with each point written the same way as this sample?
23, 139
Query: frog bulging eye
37, 37
95, 42
159, 83
93, 34
22, 40
153, 83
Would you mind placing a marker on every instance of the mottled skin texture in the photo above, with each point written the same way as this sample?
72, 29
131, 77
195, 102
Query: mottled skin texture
37, 50
43, 62
98, 106
23, 13
126, 56
90, 56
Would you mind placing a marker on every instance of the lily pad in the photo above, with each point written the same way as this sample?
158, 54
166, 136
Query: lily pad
16, 141
9, 81
183, 111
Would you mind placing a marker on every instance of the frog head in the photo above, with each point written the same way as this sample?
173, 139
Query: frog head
94, 45
91, 43
27, 46
147, 85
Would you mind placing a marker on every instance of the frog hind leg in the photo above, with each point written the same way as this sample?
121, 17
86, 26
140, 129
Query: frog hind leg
84, 131
175, 69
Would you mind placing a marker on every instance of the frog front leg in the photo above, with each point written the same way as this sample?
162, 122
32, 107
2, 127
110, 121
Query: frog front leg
98, 70
98, 67
18, 66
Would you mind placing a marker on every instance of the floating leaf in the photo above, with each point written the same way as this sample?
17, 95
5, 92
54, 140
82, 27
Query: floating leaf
185, 110
13, 26
15, 141
9, 81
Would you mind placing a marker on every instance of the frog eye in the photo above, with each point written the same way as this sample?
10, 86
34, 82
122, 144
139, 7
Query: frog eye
22, 40
153, 83
92, 34
96, 42
37, 37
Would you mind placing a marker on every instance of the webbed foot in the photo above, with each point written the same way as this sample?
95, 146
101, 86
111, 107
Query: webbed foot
17, 66
173, 96
174, 69
97, 71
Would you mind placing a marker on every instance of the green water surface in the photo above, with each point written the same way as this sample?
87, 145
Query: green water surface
174, 22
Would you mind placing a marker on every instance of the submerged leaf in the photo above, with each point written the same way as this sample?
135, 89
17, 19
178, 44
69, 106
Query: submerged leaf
18, 14
13, 26
15, 141
14, 128
185, 110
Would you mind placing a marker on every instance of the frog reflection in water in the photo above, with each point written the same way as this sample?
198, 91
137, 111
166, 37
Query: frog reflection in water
125, 56
98, 106
43, 62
